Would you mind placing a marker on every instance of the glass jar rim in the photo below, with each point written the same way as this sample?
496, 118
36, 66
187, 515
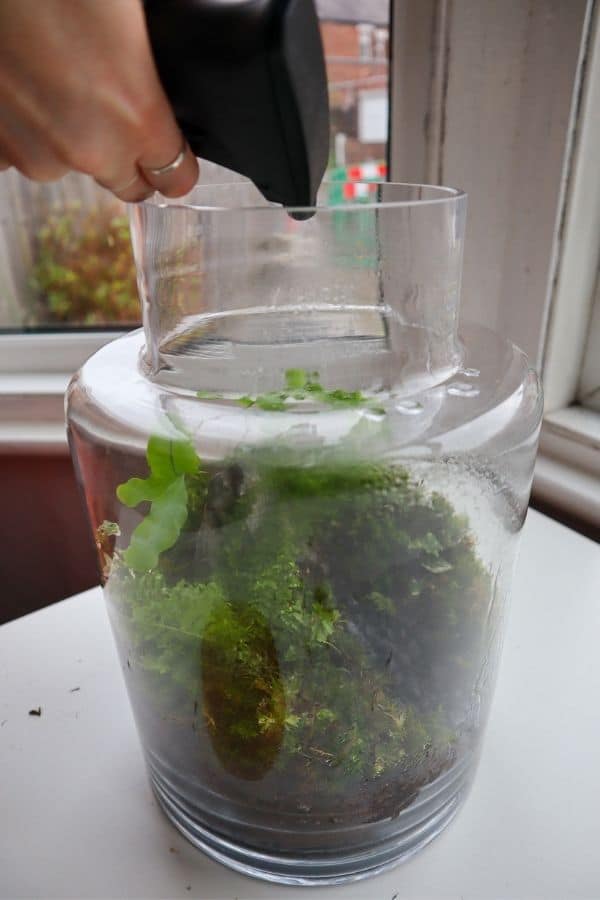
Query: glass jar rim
446, 195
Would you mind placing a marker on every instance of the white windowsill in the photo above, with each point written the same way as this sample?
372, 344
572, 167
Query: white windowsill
32, 419
35, 372
51, 352
572, 490
33, 439
567, 471
572, 436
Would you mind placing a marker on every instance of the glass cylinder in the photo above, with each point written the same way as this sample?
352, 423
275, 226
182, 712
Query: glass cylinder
306, 487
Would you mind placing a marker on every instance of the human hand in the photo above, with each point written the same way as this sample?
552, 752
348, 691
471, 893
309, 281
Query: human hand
79, 90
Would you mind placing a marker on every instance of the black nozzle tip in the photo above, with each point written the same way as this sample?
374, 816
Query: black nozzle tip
301, 215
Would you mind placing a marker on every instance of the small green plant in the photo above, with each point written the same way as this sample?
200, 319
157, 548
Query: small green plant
302, 386
327, 624
84, 271
169, 461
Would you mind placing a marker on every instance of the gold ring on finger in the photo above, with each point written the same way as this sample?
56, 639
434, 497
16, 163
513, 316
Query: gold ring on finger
170, 167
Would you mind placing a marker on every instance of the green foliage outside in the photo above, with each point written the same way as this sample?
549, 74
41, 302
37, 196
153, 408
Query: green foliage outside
323, 618
84, 272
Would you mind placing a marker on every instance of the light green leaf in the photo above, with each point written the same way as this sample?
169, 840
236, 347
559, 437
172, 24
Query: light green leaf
184, 457
323, 622
273, 402
295, 379
168, 458
208, 395
160, 528
136, 490
326, 715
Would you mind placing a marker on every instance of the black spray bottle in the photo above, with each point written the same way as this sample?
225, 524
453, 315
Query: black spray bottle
247, 82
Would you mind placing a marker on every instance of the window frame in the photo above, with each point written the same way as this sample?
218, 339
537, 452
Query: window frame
574, 268
51, 352
589, 382
568, 468
34, 375
554, 144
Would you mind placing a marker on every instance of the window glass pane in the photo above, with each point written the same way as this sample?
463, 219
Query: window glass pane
356, 41
65, 255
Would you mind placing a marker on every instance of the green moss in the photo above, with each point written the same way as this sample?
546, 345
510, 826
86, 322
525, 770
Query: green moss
275, 647
336, 621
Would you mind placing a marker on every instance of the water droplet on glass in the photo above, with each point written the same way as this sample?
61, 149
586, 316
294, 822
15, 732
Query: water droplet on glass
409, 407
462, 389
470, 373
374, 415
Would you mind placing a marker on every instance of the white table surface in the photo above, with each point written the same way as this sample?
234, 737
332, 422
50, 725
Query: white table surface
78, 819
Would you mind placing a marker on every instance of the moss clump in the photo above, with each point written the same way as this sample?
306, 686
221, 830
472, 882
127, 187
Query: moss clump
328, 627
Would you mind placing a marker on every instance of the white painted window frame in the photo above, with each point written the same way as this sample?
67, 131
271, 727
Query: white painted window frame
449, 64
589, 383
35, 370
568, 468
50, 352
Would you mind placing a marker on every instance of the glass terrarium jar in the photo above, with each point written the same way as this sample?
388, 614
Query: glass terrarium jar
306, 491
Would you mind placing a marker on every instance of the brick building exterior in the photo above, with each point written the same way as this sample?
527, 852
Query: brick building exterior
357, 67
